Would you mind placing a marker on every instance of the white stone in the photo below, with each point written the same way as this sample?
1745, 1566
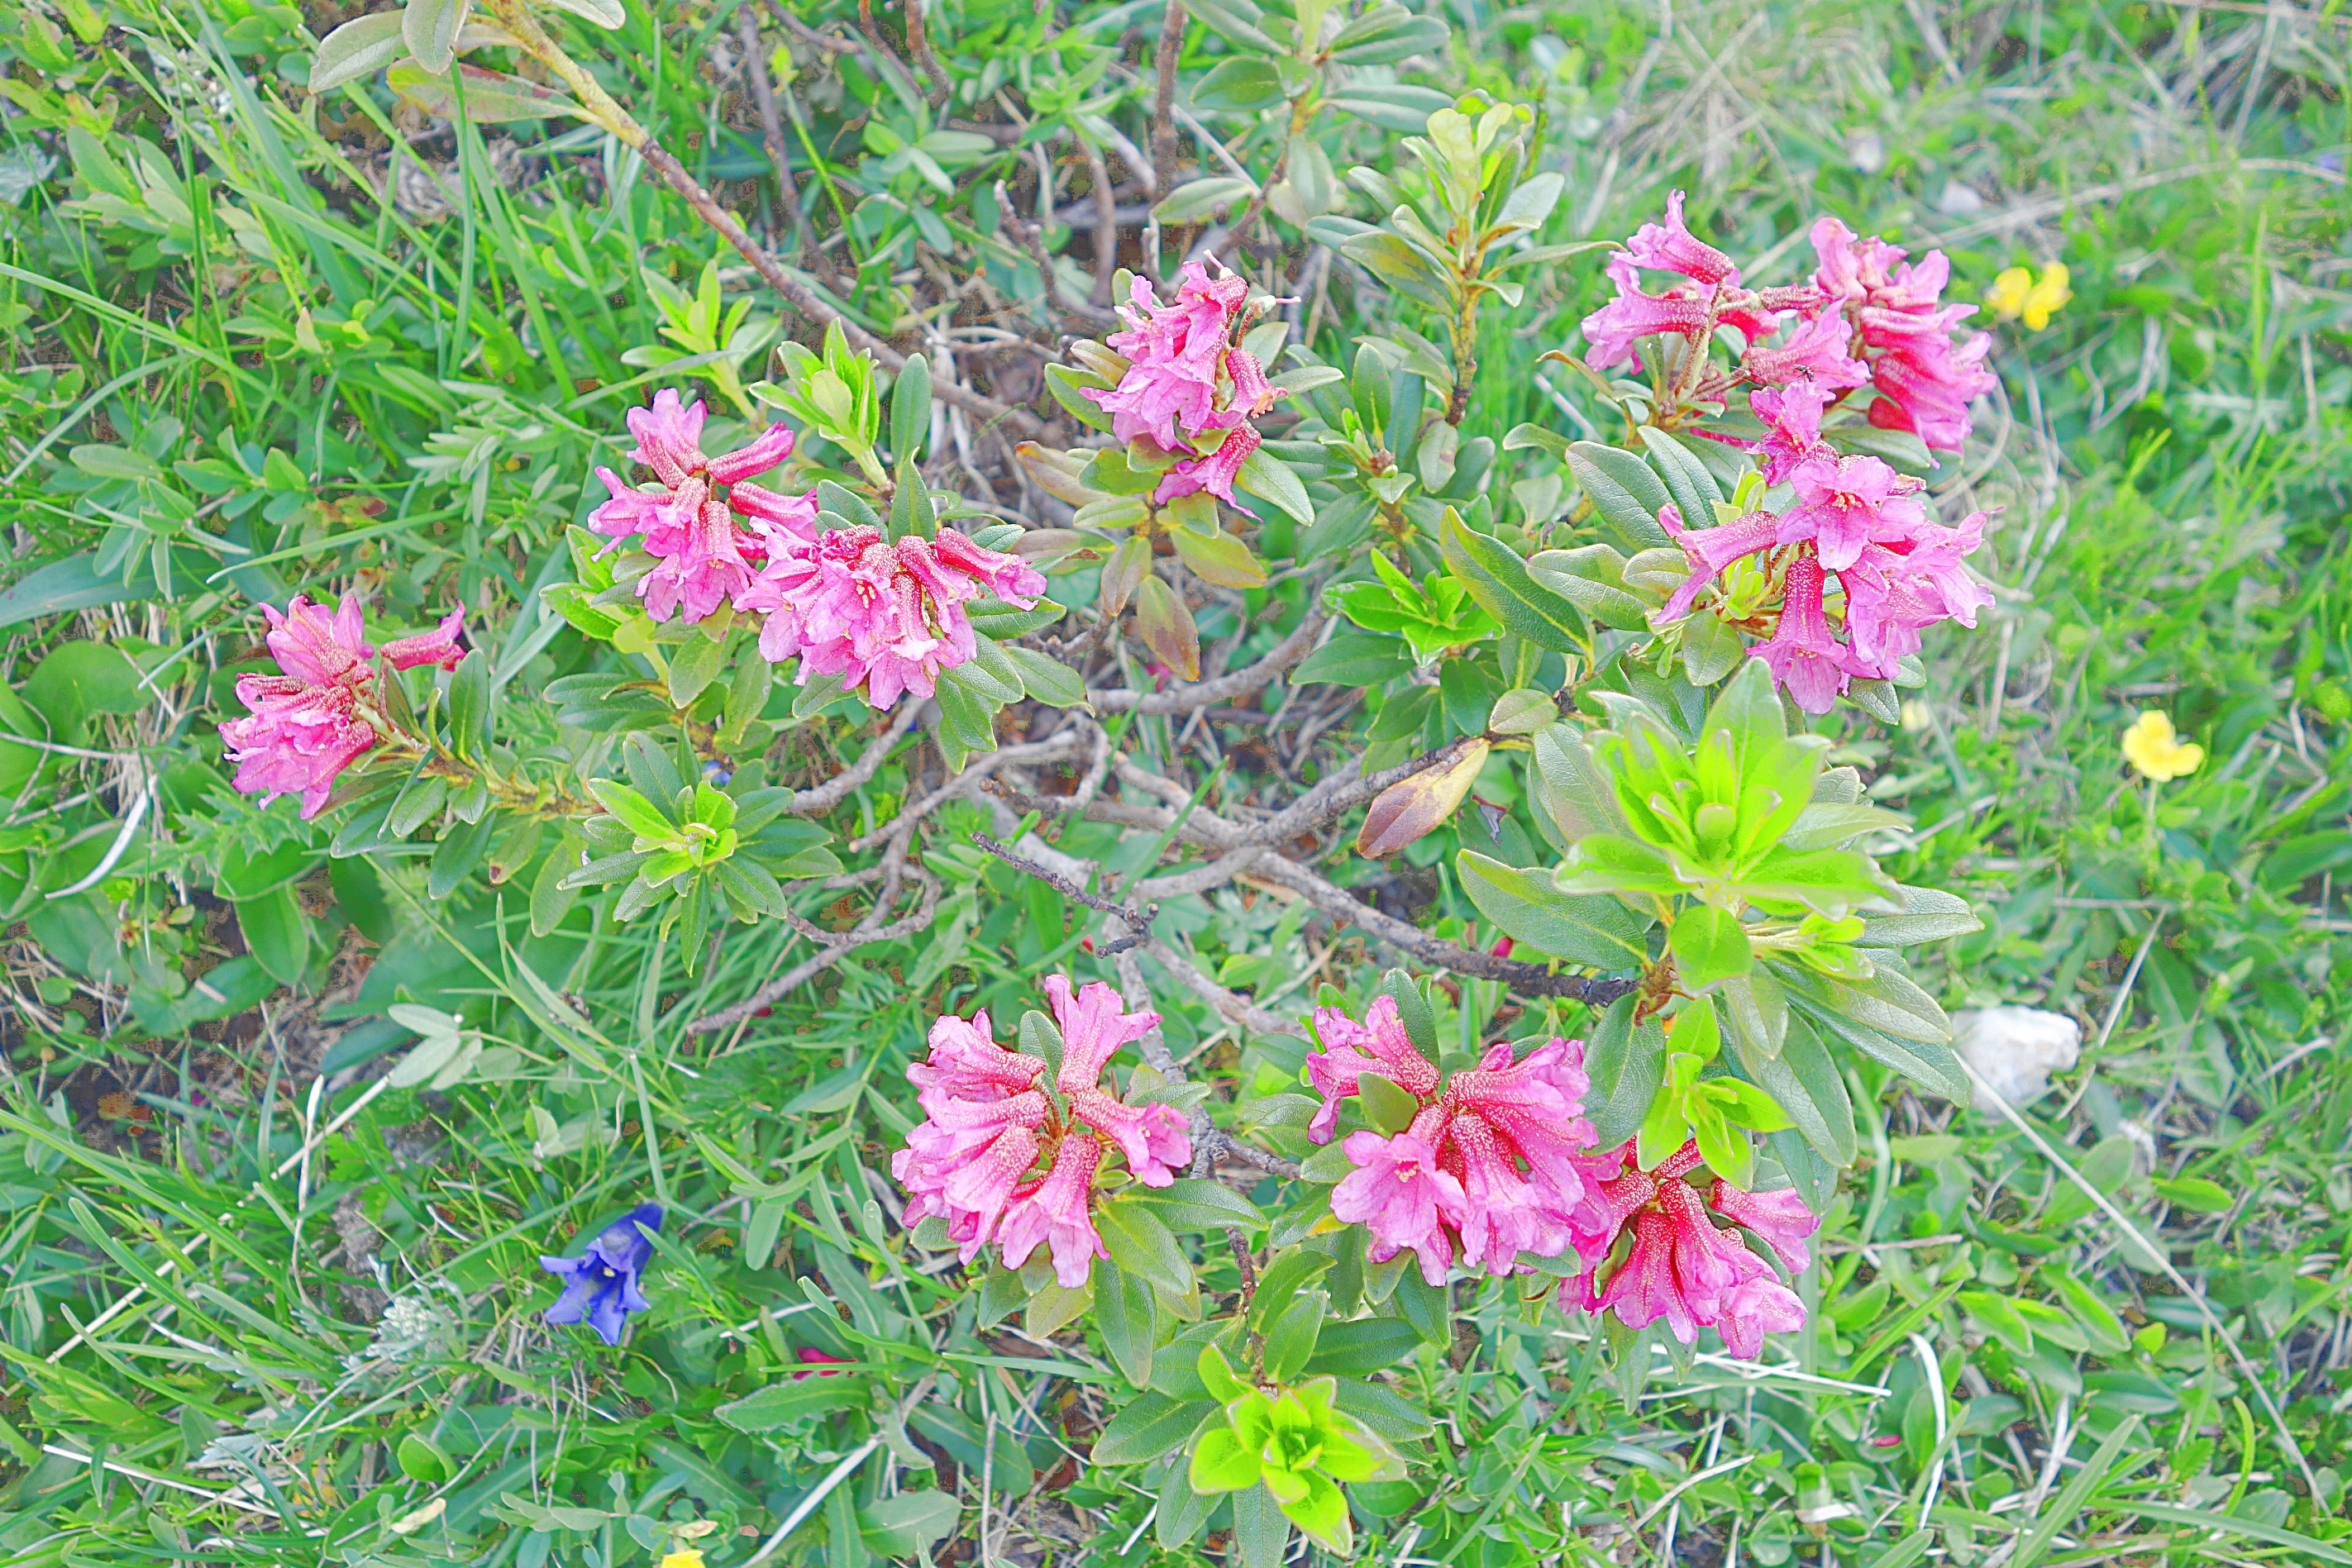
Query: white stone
2015, 1050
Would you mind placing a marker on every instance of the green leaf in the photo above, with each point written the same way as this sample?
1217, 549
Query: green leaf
1595, 930
1264, 474
1571, 786
1499, 581
276, 933
1322, 1514
1125, 1313
430, 27
1140, 1245
358, 48
910, 408
469, 704
1290, 1341
2195, 1193
1592, 578
1624, 490
1149, 1428
1221, 1464
1388, 1108
1366, 1345
788, 1403
1929, 915
1284, 1277
491, 97
1709, 945
1188, 1205
1686, 479
1049, 681
1261, 1530
1804, 1081
1190, 204
1626, 1065
1355, 659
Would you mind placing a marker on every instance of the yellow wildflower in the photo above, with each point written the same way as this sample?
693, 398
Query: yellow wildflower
2016, 294
689, 1558
2150, 746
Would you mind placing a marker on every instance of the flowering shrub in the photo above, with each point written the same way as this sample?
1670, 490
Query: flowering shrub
1393, 674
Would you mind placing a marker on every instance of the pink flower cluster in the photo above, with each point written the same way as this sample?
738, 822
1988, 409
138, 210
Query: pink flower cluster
688, 521
885, 615
319, 715
1866, 319
1003, 1154
1682, 1267
1856, 551
1187, 380
1499, 1161
1856, 523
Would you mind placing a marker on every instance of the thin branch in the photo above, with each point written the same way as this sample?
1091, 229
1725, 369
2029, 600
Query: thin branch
1106, 219
1138, 920
813, 305
883, 52
1163, 104
826, 41
843, 942
824, 797
1033, 236
919, 42
771, 129
1230, 1005
1224, 688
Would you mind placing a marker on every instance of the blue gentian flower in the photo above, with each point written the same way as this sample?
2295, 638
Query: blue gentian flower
601, 1288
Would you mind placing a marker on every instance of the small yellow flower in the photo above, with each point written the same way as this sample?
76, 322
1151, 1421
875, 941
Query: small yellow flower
689, 1558
2016, 294
2150, 746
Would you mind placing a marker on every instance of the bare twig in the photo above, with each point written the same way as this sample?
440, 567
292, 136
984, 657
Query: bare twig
874, 927
824, 797
1224, 688
771, 130
1138, 920
1033, 236
813, 305
826, 41
1105, 220
919, 42
1163, 102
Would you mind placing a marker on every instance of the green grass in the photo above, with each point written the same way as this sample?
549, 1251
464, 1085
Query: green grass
238, 372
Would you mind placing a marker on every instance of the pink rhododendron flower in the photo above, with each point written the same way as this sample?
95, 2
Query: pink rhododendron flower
689, 522
1671, 246
317, 715
886, 615
1683, 1269
1812, 664
1216, 472
1924, 377
1508, 1136
1057, 1211
1376, 1045
1403, 1197
1611, 332
1176, 353
438, 647
1814, 352
1845, 503
1006, 1154
1792, 416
